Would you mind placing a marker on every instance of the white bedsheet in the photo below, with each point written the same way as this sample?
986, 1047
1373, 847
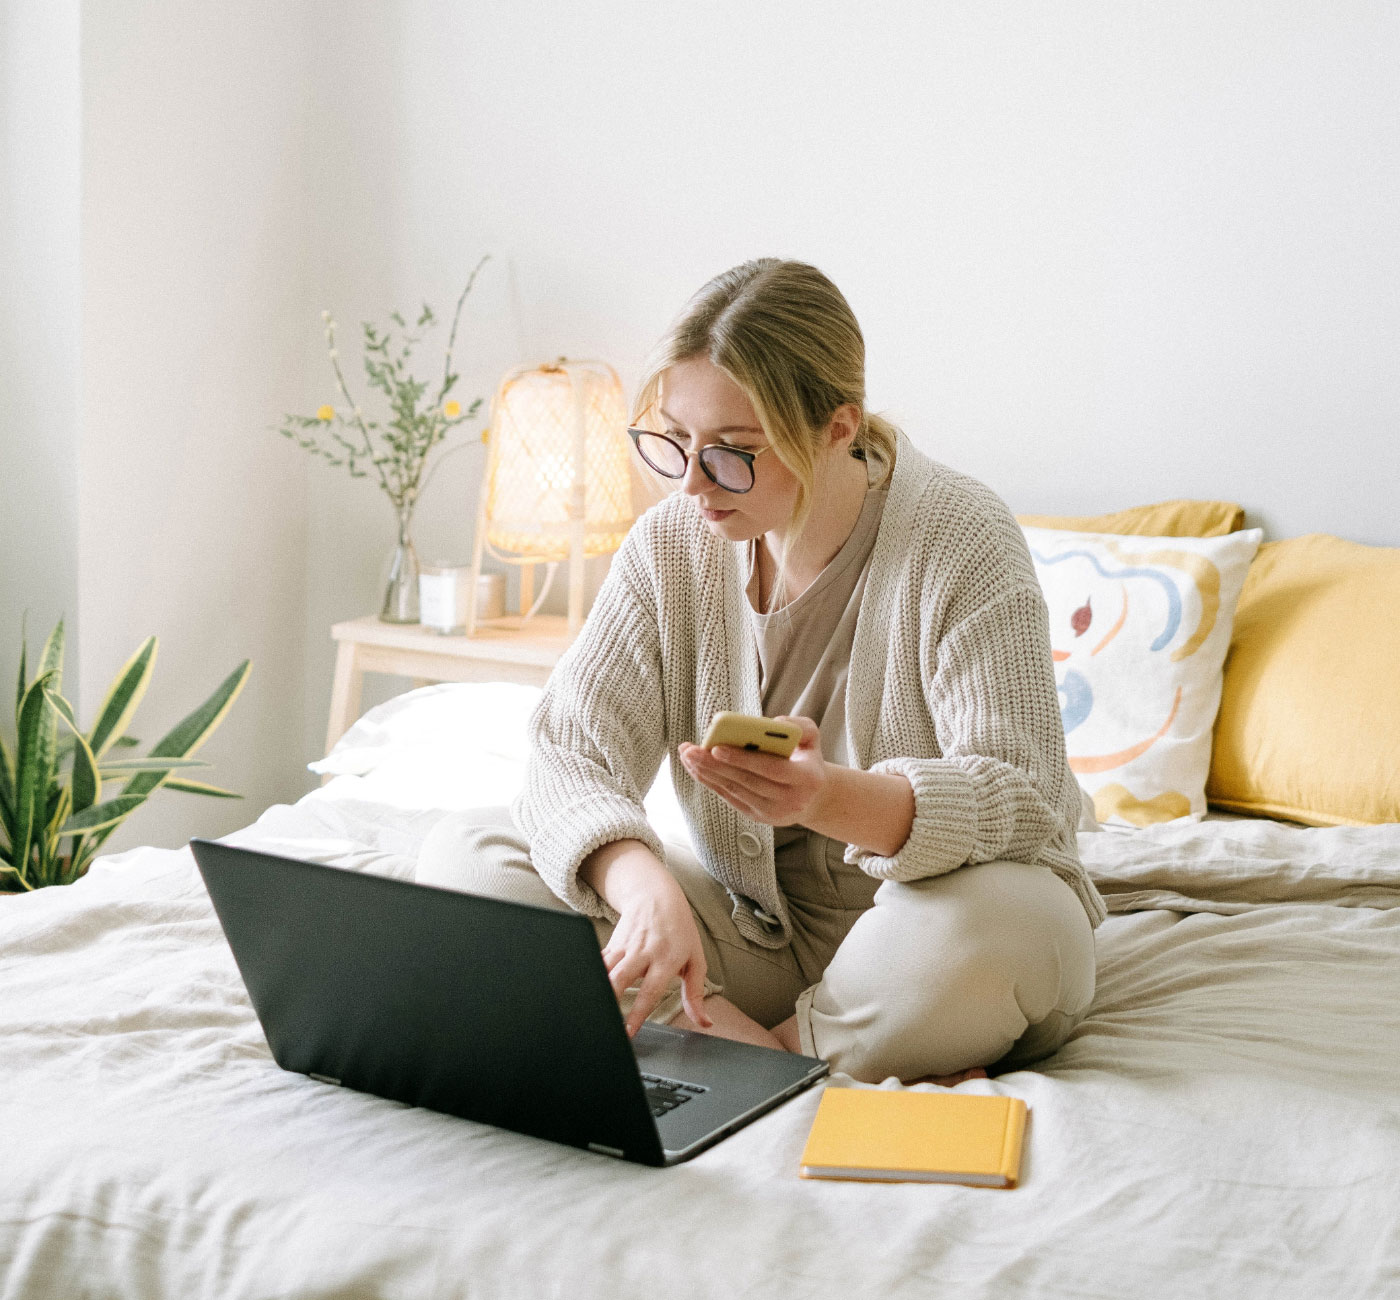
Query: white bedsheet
1225, 1122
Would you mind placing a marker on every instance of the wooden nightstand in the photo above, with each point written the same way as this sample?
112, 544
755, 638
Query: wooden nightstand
499, 652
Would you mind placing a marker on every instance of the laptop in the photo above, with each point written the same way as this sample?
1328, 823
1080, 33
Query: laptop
495, 1011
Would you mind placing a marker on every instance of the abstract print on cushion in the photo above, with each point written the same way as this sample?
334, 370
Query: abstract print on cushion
1139, 628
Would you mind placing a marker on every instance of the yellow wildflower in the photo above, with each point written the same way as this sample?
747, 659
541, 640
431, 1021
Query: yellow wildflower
452, 410
326, 413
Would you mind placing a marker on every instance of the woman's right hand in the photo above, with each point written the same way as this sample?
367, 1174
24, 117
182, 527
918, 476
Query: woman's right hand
655, 938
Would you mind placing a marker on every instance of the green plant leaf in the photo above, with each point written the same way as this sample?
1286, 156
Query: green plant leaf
52, 659
185, 736
36, 734
64, 709
23, 656
7, 788
123, 696
62, 808
102, 815
7, 824
191, 731
125, 742
7, 871
126, 766
199, 787
87, 781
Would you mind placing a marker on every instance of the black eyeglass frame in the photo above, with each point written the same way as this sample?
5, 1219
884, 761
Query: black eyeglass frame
748, 457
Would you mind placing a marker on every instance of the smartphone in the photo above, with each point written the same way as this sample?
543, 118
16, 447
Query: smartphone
741, 731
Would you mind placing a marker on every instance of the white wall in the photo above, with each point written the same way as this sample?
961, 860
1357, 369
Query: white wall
194, 253
1103, 253
39, 361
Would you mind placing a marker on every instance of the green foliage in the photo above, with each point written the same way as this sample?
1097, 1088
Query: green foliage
396, 450
54, 783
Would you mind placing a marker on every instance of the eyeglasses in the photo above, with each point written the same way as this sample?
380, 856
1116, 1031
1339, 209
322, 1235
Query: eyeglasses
726, 467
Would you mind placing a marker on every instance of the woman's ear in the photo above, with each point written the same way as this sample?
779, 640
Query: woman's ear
845, 424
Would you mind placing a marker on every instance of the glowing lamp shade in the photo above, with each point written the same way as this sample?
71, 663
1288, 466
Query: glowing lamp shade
557, 483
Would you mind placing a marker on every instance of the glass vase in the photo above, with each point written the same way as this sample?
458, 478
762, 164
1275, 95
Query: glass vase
401, 594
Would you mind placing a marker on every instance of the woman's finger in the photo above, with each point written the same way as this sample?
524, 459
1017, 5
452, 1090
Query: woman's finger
741, 805
630, 969
765, 768
693, 995
811, 733
738, 796
647, 997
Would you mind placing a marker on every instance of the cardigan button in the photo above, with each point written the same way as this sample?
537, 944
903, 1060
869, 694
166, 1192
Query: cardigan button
749, 843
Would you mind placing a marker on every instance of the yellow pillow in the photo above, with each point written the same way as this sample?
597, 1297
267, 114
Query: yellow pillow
1309, 721
1179, 518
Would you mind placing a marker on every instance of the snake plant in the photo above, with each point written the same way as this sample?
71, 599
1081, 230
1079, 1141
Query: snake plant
58, 796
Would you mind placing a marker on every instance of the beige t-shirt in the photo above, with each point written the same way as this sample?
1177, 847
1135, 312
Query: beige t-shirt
804, 653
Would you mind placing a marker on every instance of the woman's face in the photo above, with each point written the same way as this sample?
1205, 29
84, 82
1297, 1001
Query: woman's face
700, 406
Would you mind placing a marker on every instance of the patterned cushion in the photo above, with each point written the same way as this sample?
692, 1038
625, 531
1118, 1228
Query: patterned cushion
1139, 628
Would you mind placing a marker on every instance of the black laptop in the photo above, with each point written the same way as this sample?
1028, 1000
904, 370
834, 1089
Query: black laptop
498, 1012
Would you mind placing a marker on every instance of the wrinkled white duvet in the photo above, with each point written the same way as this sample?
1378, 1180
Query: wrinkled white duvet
1225, 1122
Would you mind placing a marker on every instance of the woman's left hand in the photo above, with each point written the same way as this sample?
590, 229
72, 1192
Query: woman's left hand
777, 791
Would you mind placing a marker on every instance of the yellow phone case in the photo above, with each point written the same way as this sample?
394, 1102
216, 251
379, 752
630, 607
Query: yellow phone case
743, 731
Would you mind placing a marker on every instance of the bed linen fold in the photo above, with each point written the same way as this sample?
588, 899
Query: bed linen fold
1234, 865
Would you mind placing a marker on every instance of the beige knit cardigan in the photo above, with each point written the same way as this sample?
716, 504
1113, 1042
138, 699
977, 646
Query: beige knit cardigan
951, 684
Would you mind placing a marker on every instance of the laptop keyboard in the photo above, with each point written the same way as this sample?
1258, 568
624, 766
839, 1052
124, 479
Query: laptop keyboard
664, 1095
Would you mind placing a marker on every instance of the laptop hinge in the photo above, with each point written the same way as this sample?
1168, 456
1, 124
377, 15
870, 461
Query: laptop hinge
606, 1151
322, 1078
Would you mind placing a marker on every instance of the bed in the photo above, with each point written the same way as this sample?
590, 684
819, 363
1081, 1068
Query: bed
1226, 1121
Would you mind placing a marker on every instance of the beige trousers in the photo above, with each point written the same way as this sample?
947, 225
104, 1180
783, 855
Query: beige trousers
991, 964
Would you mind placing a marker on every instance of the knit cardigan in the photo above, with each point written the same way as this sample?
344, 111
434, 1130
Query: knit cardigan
951, 685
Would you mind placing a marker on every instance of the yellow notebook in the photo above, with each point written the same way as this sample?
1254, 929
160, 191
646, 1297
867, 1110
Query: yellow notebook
928, 1137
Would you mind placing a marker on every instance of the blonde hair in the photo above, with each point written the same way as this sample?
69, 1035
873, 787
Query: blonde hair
787, 336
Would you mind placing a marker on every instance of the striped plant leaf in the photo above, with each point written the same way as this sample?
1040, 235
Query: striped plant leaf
7, 791
122, 697
8, 874
50, 801
184, 737
23, 656
200, 787
65, 710
191, 731
103, 816
52, 659
47, 804
63, 805
87, 780
126, 766
34, 748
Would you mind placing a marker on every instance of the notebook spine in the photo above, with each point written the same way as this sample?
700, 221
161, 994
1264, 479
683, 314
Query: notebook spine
1015, 1135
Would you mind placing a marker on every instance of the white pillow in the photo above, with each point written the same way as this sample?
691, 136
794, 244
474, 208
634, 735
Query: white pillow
459, 745
1139, 627
483, 717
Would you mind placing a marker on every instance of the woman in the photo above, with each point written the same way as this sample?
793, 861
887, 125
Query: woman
903, 897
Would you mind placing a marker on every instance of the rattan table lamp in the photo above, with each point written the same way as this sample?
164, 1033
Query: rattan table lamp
557, 484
